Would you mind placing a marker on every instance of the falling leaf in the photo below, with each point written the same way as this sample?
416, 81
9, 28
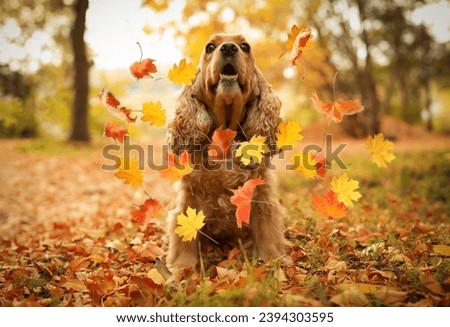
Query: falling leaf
345, 189
380, 149
305, 164
140, 69
335, 111
301, 39
153, 113
129, 172
149, 209
252, 151
183, 73
115, 131
292, 36
177, 167
190, 224
328, 205
242, 199
222, 139
321, 164
289, 135
110, 102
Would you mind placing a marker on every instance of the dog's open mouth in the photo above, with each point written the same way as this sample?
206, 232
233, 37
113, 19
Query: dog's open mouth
228, 72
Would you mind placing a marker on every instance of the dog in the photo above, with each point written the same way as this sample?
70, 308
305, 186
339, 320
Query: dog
229, 91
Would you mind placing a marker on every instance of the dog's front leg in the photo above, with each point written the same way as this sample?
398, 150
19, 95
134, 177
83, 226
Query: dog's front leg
181, 254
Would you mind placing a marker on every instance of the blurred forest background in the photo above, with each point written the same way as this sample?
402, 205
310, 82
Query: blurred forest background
386, 52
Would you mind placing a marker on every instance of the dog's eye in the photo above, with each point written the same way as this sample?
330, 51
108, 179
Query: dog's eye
245, 47
210, 47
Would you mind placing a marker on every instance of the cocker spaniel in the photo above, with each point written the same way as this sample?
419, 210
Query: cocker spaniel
229, 91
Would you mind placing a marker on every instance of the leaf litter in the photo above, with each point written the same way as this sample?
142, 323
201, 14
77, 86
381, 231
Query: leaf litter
67, 240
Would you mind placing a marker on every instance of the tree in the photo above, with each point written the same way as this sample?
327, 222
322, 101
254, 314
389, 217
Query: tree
53, 16
80, 130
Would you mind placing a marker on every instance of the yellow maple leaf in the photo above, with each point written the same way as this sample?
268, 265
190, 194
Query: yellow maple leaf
153, 113
177, 167
380, 149
345, 189
305, 163
129, 172
252, 151
289, 135
292, 36
190, 224
183, 73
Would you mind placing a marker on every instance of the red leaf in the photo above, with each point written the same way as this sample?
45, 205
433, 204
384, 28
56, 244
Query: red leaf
112, 105
320, 164
115, 131
222, 140
328, 205
140, 69
242, 199
150, 208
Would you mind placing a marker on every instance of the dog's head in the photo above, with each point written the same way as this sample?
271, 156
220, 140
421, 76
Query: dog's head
227, 73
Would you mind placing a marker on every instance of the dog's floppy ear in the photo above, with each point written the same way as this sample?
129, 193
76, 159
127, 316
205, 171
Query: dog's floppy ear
263, 112
191, 123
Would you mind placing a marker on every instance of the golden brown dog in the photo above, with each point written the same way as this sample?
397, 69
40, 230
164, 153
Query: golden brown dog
229, 91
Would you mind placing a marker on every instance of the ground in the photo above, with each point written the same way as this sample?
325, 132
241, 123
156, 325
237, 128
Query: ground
66, 237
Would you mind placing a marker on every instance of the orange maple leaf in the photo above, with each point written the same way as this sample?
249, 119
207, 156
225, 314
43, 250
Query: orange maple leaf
149, 209
300, 37
242, 199
115, 131
335, 111
222, 140
177, 167
140, 69
112, 105
328, 205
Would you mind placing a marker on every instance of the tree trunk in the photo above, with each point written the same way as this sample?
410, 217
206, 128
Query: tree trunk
429, 122
80, 129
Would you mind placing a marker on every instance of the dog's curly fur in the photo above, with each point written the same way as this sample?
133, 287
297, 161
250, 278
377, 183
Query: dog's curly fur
229, 91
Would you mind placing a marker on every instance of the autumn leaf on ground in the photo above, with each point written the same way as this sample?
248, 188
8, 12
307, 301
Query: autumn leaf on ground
177, 167
328, 205
183, 73
111, 103
115, 131
129, 172
222, 139
296, 41
153, 113
242, 200
345, 189
253, 150
380, 149
335, 111
304, 163
190, 224
149, 209
140, 69
289, 135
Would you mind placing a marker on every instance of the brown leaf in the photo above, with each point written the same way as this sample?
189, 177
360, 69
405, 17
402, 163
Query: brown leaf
430, 283
351, 297
442, 250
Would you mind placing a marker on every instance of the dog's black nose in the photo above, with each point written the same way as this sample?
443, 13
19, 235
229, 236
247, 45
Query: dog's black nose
228, 49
